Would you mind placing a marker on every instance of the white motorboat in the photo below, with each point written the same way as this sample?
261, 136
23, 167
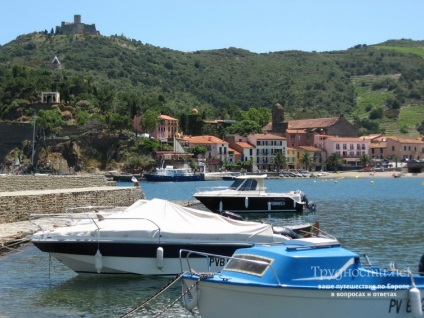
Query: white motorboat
146, 238
311, 277
248, 194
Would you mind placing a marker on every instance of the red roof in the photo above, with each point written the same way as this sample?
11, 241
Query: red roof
166, 117
312, 123
269, 136
204, 140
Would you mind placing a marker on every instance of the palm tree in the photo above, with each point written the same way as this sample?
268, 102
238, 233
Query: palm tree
278, 160
396, 160
364, 159
334, 161
306, 160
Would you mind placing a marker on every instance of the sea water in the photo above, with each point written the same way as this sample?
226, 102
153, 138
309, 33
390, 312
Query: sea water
381, 217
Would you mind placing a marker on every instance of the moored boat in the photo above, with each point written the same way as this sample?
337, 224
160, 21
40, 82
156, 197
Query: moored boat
247, 194
145, 238
169, 173
312, 277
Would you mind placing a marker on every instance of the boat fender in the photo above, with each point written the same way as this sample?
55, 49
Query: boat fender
415, 302
231, 215
269, 205
188, 303
98, 261
220, 206
159, 258
246, 202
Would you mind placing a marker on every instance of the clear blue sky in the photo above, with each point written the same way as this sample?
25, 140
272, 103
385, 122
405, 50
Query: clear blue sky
255, 25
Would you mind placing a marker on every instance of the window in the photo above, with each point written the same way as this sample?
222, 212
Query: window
249, 264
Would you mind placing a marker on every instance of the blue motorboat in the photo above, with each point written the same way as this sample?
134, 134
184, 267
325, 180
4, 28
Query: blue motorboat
310, 277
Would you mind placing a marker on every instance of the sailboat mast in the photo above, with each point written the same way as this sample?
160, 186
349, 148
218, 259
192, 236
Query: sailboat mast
33, 141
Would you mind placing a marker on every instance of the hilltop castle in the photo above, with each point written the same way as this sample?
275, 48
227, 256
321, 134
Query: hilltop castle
77, 27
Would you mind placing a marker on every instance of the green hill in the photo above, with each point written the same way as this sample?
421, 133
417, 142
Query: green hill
379, 87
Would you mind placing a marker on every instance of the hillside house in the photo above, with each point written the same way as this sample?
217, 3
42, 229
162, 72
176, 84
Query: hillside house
217, 150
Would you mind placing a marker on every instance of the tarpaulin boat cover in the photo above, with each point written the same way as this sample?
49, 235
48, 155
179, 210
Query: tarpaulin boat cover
172, 222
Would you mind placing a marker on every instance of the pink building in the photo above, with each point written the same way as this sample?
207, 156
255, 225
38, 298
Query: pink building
167, 127
349, 148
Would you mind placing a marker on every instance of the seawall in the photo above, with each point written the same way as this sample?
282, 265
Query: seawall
22, 195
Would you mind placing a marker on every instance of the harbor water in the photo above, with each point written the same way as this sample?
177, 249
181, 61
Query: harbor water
381, 217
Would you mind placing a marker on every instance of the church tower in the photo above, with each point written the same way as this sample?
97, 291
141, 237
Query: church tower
278, 125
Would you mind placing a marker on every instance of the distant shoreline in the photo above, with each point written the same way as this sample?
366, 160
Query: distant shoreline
371, 174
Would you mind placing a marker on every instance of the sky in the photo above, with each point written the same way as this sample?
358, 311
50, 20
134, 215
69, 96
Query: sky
260, 26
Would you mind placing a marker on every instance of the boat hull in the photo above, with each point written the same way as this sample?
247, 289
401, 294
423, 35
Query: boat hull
134, 258
245, 204
291, 302
175, 178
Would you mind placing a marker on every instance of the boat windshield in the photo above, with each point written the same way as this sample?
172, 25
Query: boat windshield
244, 185
249, 264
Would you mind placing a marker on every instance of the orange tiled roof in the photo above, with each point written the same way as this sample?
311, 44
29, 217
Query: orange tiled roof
267, 127
204, 140
405, 140
312, 123
310, 148
235, 151
269, 136
244, 144
346, 139
166, 117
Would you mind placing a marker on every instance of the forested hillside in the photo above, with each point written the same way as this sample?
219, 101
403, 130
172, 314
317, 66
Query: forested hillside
380, 87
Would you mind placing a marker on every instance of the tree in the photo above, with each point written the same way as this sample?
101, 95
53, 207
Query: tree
198, 150
50, 121
117, 122
306, 160
334, 161
245, 127
82, 117
279, 160
364, 159
261, 116
150, 120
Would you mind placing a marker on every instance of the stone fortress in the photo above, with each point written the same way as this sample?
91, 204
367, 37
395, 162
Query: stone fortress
77, 27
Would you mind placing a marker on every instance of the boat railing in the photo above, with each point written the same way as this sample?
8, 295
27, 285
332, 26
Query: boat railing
208, 256
47, 221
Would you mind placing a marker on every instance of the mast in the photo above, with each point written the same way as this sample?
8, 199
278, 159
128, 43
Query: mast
33, 141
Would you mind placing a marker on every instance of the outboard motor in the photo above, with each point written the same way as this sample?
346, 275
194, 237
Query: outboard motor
311, 206
421, 266
232, 215
285, 231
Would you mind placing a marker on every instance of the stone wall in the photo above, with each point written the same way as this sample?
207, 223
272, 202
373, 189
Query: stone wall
22, 195
17, 206
11, 183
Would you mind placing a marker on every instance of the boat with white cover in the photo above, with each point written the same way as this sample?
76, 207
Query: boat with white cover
146, 238
247, 194
311, 277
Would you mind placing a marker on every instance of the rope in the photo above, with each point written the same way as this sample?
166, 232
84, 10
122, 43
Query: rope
200, 275
154, 296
